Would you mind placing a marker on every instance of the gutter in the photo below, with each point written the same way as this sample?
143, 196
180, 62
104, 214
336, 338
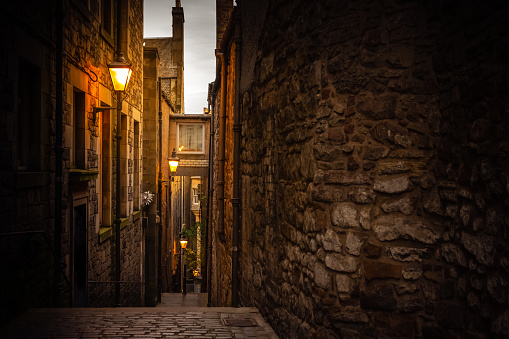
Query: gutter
237, 127
159, 197
57, 258
208, 235
118, 137
221, 155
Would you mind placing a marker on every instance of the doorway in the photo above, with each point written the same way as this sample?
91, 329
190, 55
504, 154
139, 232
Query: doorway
80, 255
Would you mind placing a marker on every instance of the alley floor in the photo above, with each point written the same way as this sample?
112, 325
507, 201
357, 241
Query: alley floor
177, 316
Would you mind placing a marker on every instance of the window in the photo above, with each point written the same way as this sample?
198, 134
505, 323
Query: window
123, 167
136, 169
106, 14
106, 175
29, 116
190, 138
79, 151
196, 198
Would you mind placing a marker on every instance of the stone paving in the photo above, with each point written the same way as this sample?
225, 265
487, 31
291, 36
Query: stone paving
140, 322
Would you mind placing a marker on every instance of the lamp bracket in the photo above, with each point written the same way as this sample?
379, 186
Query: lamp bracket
95, 110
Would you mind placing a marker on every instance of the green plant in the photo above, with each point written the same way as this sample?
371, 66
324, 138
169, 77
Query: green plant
191, 251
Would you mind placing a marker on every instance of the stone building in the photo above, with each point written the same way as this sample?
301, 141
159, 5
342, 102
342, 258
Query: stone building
190, 137
59, 171
360, 176
163, 90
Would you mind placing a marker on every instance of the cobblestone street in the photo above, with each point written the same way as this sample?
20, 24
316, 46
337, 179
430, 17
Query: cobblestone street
164, 321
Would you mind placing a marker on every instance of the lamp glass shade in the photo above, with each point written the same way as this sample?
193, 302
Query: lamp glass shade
120, 77
173, 165
173, 161
120, 72
183, 243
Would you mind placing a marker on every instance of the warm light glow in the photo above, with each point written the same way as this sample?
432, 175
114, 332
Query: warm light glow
173, 165
195, 273
183, 243
120, 72
173, 161
120, 78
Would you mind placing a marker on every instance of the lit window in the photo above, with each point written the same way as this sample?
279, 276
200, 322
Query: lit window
190, 138
196, 199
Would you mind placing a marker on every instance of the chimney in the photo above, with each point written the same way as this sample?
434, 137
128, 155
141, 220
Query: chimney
178, 53
178, 33
223, 10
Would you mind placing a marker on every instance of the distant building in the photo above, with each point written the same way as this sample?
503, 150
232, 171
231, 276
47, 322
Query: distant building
163, 90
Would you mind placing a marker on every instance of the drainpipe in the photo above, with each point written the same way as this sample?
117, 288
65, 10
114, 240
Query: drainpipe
118, 137
221, 155
57, 282
236, 199
159, 196
208, 239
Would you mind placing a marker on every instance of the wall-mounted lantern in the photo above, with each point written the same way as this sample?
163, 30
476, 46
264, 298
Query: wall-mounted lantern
183, 243
173, 161
120, 72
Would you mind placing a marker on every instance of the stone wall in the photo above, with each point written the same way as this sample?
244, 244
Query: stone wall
26, 189
374, 170
30, 193
220, 274
85, 69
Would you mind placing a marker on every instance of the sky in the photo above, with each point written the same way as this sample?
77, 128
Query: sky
199, 44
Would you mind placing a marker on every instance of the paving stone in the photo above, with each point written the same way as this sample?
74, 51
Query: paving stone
135, 323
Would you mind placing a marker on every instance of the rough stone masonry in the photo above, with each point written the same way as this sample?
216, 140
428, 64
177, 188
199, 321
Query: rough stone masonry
375, 175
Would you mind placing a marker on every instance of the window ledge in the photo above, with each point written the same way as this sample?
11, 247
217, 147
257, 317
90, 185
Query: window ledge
82, 175
105, 233
124, 222
136, 215
30, 179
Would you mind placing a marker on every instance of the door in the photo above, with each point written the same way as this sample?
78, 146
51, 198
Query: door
80, 255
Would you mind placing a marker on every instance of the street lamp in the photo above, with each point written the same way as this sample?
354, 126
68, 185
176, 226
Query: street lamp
173, 161
120, 72
183, 245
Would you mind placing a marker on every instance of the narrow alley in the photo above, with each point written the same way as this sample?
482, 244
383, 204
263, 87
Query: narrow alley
177, 316
341, 172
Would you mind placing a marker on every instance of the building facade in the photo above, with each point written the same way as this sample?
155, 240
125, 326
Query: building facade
163, 96
362, 144
60, 174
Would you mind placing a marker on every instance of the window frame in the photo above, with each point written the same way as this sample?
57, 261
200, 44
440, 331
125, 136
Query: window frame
179, 124
195, 195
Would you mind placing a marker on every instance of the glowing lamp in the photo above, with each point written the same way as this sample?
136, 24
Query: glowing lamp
173, 161
120, 72
183, 242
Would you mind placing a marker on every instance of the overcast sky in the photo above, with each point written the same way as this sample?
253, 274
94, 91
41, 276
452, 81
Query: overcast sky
199, 44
